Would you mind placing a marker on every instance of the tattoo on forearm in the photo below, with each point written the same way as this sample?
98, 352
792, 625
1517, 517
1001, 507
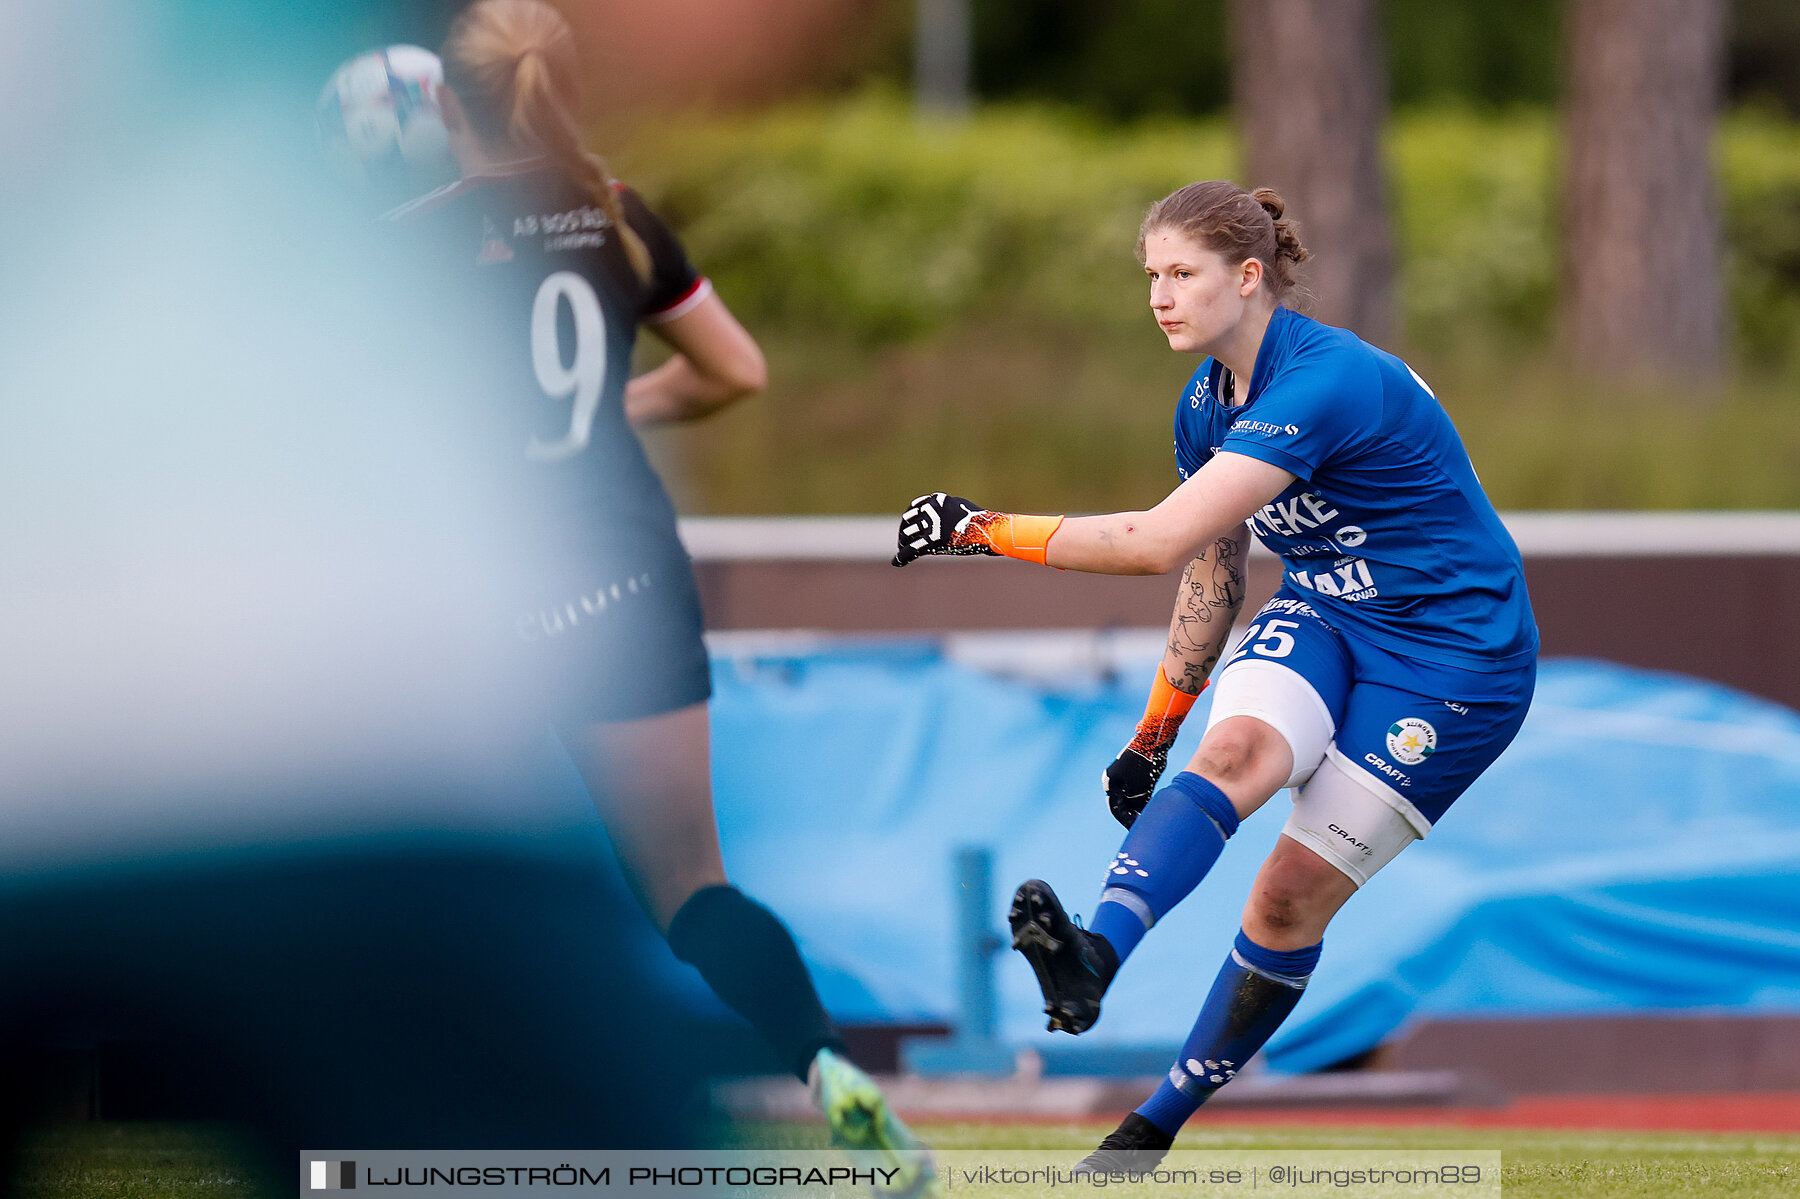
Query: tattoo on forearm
1196, 635
1228, 580
1193, 601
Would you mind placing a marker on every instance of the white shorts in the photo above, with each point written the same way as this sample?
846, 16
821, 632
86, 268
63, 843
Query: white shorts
1341, 812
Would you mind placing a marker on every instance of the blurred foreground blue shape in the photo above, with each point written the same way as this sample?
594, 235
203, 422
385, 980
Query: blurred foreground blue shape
1637, 849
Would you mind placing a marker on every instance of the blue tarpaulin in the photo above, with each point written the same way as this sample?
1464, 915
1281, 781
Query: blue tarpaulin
1638, 848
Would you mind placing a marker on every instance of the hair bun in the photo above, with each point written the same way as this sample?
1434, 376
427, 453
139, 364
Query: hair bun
1287, 241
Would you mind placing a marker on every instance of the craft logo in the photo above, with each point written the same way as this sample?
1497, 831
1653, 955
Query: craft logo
1412, 741
1351, 838
333, 1176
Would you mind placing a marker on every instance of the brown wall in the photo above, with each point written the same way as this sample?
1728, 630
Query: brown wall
1731, 618
1735, 620
1609, 1053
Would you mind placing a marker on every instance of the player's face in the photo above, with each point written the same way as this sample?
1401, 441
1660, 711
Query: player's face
1197, 297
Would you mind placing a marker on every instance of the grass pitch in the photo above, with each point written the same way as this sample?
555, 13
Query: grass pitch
169, 1161
139, 1161
1536, 1164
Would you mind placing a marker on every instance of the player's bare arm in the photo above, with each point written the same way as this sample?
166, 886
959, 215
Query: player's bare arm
716, 363
1212, 504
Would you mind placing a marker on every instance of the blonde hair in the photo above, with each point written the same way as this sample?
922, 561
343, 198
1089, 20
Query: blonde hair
1239, 224
513, 65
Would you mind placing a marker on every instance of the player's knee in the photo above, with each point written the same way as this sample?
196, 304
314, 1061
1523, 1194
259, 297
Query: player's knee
1294, 891
1242, 751
1277, 909
1283, 896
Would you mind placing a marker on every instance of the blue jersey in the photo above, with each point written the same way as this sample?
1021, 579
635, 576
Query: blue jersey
1386, 523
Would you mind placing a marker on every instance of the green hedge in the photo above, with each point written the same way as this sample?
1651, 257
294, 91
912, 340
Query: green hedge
965, 297
859, 221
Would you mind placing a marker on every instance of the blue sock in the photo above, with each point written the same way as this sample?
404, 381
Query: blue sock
1255, 991
1169, 849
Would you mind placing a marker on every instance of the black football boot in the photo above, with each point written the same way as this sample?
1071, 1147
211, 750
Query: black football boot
1073, 966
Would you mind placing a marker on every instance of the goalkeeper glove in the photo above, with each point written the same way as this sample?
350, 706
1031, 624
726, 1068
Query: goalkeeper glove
948, 524
1131, 780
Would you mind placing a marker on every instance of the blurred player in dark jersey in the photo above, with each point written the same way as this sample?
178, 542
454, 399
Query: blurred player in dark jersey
268, 855
565, 265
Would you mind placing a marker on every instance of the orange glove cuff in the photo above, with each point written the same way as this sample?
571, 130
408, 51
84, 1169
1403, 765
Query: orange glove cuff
1163, 714
1015, 536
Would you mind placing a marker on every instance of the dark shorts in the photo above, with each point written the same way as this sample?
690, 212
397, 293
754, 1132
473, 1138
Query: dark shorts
620, 642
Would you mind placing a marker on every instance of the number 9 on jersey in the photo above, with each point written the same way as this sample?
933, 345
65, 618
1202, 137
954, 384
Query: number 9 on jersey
581, 379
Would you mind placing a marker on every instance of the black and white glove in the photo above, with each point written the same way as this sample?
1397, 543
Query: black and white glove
940, 524
1130, 782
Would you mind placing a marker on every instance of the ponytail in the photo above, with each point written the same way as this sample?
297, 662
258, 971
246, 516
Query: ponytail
513, 64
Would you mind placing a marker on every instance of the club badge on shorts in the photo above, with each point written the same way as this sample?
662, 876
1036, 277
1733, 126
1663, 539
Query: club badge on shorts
1411, 741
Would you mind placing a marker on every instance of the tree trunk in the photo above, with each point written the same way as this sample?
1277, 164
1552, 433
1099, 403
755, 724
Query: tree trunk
1640, 223
1310, 90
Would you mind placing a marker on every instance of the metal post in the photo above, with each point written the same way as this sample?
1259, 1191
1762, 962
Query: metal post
973, 1046
941, 57
977, 1008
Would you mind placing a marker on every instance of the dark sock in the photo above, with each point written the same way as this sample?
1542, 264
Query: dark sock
1255, 991
748, 957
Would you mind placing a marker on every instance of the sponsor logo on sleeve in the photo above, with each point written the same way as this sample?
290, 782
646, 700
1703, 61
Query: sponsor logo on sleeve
1263, 428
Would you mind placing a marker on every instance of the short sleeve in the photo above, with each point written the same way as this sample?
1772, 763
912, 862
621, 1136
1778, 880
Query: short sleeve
1313, 413
675, 287
1189, 446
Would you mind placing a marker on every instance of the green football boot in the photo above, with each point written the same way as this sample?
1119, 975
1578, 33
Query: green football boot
860, 1119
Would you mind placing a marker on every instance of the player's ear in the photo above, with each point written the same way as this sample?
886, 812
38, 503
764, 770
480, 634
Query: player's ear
1250, 274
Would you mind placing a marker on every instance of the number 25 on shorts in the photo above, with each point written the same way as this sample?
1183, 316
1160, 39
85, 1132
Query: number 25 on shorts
1267, 639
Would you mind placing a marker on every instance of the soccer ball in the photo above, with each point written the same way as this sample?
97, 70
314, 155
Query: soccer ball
379, 117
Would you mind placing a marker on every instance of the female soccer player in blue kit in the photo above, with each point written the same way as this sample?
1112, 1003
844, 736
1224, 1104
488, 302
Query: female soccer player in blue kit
1392, 667
565, 266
